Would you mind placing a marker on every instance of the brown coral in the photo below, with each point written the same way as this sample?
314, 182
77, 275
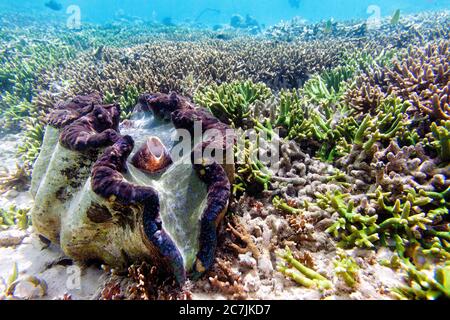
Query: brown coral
421, 75
147, 285
227, 281
239, 231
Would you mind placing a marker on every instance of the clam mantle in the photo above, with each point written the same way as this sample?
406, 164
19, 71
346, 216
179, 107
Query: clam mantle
110, 191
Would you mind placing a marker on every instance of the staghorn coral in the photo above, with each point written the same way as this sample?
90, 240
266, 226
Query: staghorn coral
300, 273
241, 233
358, 225
252, 175
441, 134
423, 287
232, 103
364, 96
83, 169
420, 76
227, 281
346, 268
28, 151
422, 282
164, 66
418, 28
18, 180
127, 100
284, 206
14, 217
21, 64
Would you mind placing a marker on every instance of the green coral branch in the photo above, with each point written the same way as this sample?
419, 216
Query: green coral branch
232, 102
29, 150
421, 286
283, 206
251, 174
403, 218
301, 274
346, 268
127, 100
14, 216
441, 134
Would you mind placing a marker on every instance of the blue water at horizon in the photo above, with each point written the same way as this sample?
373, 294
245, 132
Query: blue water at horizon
212, 12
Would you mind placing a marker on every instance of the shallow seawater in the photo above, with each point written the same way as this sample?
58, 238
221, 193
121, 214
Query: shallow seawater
212, 12
352, 97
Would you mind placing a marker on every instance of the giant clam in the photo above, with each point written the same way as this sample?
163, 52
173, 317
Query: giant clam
96, 204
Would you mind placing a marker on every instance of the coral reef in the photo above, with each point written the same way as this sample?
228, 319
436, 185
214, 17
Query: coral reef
186, 66
355, 207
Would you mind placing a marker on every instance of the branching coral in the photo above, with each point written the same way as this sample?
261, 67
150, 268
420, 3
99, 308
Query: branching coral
405, 218
422, 76
227, 281
19, 76
14, 217
252, 175
346, 268
419, 76
350, 222
164, 66
422, 282
284, 206
422, 286
441, 134
148, 284
127, 100
18, 180
301, 274
14, 110
420, 28
29, 150
232, 103
332, 132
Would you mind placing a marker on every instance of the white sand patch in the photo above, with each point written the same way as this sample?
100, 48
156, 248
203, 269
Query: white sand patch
33, 259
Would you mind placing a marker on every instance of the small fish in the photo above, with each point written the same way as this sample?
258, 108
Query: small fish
396, 17
54, 5
294, 3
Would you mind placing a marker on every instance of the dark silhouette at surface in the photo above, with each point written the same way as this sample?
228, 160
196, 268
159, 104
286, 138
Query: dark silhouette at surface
54, 5
294, 3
